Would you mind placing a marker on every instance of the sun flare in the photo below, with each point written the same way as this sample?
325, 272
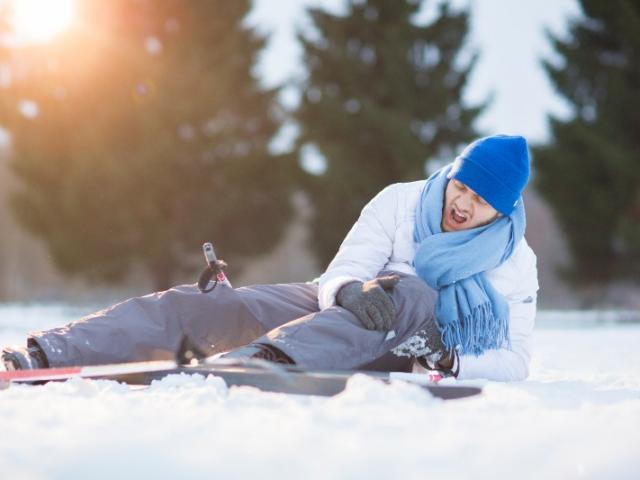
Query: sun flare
40, 20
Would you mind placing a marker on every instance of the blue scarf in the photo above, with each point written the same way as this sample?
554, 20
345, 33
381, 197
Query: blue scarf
472, 315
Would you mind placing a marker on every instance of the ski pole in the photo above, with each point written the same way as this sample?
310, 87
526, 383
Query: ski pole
214, 267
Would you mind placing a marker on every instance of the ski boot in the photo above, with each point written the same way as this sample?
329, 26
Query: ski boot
24, 358
259, 351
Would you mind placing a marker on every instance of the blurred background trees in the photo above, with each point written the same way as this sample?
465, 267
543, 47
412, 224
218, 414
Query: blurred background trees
590, 170
383, 96
143, 128
139, 133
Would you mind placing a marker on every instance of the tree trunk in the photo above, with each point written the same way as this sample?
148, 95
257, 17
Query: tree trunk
161, 274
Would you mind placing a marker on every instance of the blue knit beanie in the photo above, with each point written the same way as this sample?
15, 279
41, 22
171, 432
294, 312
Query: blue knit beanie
496, 168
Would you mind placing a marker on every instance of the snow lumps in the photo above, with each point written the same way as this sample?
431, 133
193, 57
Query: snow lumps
575, 417
366, 390
184, 381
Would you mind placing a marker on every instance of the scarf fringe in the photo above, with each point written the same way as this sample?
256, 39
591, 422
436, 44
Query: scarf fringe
477, 332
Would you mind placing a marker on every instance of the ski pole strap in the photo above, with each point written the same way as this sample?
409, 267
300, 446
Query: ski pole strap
215, 268
210, 272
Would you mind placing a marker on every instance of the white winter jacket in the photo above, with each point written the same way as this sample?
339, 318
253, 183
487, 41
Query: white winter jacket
382, 239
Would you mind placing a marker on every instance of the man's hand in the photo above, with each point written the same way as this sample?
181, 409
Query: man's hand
446, 362
370, 301
438, 358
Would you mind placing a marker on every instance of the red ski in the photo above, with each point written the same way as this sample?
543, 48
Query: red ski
95, 371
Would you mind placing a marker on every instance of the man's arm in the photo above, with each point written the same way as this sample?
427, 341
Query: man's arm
505, 365
510, 364
502, 365
366, 248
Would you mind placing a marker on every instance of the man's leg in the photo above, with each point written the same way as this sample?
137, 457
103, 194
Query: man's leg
335, 339
151, 327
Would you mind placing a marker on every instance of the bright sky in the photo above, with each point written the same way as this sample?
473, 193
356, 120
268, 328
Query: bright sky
40, 20
509, 35
37, 21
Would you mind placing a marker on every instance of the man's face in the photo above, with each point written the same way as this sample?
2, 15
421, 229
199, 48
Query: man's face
464, 209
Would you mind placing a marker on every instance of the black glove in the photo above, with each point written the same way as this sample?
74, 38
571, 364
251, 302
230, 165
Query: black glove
426, 345
451, 369
434, 355
370, 301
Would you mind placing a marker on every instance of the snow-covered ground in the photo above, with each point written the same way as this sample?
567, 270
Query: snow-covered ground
578, 416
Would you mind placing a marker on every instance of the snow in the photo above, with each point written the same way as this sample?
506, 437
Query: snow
576, 417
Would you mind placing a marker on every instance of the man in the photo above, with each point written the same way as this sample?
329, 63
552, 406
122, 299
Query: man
434, 274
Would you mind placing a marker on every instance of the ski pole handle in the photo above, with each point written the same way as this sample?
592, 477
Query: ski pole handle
209, 254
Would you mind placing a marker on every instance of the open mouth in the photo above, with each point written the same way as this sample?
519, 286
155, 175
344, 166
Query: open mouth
456, 217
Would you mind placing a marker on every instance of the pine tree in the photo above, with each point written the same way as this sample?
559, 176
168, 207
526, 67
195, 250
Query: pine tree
151, 136
590, 170
382, 98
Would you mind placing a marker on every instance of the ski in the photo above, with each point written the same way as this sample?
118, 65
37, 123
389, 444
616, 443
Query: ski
260, 374
91, 371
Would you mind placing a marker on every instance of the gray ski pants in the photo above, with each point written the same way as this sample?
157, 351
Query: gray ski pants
283, 315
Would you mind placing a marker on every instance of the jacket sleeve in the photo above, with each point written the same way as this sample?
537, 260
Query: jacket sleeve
365, 250
510, 364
